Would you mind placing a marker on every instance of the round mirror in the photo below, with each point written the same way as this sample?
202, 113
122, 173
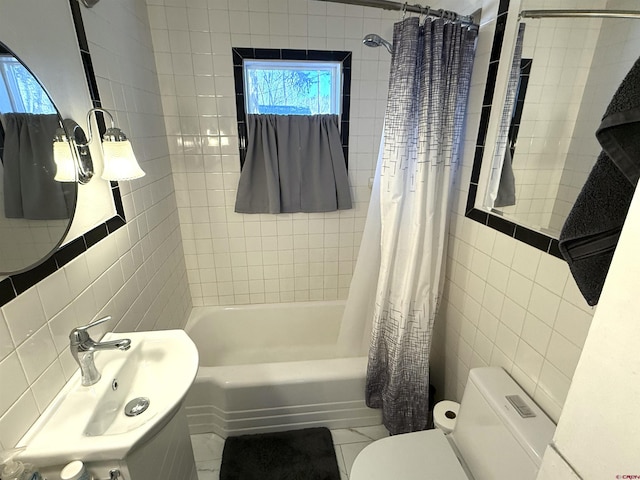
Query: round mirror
36, 209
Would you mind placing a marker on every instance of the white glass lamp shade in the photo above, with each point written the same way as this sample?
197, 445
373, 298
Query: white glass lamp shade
119, 161
65, 164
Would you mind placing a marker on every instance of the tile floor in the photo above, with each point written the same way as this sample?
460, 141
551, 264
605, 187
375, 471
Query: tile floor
207, 449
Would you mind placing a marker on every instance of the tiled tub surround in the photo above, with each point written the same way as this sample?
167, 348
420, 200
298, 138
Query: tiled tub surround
137, 274
505, 302
233, 258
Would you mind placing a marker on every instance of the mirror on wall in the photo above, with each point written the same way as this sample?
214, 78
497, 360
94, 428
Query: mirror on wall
35, 209
568, 70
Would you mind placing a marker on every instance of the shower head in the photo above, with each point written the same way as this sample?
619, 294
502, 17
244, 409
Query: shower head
375, 40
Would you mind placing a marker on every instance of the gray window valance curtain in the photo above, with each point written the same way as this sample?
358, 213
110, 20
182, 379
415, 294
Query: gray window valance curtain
294, 163
29, 188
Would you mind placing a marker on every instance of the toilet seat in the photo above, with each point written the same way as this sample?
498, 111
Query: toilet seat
423, 455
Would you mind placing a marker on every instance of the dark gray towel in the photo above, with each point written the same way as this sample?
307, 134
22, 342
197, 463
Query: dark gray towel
619, 132
590, 234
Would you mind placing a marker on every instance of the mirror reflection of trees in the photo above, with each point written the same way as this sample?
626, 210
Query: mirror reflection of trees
19, 91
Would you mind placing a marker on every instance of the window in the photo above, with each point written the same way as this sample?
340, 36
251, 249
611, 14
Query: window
292, 82
20, 92
288, 87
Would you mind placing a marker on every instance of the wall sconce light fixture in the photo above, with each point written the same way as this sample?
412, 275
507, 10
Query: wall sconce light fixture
119, 160
67, 170
63, 158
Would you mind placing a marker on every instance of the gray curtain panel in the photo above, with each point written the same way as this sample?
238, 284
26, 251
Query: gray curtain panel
424, 122
29, 188
506, 195
294, 163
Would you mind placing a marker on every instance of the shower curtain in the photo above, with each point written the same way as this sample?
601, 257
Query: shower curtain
428, 91
355, 328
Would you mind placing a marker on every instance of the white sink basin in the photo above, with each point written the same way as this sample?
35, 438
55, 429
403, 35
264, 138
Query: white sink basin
89, 423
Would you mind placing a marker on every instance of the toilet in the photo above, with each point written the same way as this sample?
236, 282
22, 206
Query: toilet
499, 434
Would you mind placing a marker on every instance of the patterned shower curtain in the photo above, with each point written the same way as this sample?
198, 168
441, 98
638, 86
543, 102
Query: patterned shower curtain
428, 91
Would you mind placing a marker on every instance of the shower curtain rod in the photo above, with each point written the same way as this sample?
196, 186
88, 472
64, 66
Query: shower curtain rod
388, 5
579, 13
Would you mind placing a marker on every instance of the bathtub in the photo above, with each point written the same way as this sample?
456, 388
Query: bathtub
274, 367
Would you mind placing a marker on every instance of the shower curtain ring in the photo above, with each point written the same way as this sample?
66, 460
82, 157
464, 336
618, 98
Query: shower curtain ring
426, 11
404, 9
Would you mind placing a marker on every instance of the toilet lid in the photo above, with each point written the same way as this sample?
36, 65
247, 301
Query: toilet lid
423, 455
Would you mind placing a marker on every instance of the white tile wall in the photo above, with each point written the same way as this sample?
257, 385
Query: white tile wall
534, 328
234, 258
505, 303
137, 275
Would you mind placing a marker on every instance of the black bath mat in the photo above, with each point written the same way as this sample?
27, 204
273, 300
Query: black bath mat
294, 455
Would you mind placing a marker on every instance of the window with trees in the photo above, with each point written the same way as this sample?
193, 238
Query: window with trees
19, 90
289, 87
292, 82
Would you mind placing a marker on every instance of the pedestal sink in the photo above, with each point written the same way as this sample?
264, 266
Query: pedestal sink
89, 423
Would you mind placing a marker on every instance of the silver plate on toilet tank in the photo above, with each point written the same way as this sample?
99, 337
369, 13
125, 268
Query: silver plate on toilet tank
136, 406
521, 406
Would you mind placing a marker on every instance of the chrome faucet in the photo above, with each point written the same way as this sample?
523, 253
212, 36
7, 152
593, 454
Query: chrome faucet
83, 347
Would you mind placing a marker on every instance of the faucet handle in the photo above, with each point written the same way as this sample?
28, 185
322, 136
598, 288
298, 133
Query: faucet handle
94, 323
80, 335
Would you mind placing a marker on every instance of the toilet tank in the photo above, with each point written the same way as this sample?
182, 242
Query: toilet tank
494, 441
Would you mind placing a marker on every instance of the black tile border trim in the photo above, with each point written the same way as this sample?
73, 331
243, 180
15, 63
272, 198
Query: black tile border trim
16, 284
239, 54
536, 239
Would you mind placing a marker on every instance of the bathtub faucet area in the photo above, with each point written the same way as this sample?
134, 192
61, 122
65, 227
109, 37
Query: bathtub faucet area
83, 347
